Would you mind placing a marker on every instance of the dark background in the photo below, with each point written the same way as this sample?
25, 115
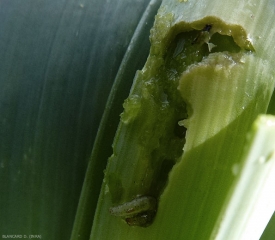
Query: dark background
59, 59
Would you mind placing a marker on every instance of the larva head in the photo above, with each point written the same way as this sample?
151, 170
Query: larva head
143, 219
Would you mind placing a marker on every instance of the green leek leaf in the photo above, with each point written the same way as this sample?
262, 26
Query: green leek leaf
208, 73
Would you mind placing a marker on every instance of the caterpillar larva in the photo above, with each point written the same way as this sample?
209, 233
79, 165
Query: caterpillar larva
138, 212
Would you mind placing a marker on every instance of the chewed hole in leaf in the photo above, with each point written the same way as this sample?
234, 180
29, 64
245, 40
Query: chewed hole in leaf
156, 115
